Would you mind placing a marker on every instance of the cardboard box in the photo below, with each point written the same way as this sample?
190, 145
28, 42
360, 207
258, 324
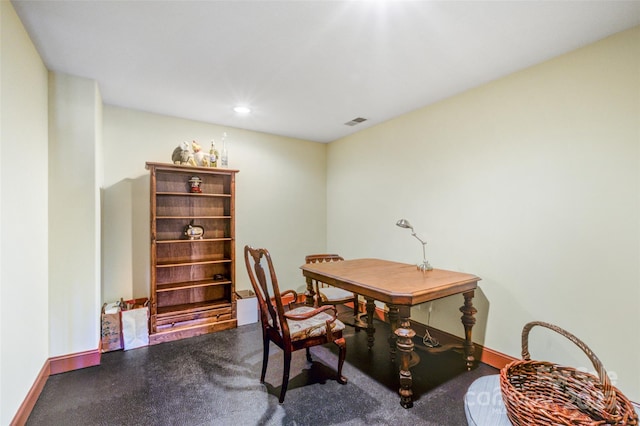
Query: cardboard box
247, 307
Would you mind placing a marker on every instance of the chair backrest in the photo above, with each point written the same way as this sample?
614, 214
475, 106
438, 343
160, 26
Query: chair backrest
320, 258
267, 291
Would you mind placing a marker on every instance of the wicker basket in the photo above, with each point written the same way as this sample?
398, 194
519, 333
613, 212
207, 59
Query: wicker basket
543, 393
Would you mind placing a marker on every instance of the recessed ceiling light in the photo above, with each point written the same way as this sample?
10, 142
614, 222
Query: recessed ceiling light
242, 110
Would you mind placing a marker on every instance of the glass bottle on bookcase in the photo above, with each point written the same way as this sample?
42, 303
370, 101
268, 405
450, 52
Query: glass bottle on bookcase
224, 155
213, 155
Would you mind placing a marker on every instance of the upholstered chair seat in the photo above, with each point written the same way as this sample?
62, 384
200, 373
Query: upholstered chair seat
310, 327
294, 328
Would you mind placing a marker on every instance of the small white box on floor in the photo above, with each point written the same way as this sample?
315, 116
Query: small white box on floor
247, 307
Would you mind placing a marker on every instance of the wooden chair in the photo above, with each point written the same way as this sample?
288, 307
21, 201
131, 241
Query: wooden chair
295, 329
328, 295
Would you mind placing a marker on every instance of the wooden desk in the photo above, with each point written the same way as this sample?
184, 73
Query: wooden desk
400, 286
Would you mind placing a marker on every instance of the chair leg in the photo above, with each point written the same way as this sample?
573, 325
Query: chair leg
309, 355
285, 375
356, 313
342, 354
265, 358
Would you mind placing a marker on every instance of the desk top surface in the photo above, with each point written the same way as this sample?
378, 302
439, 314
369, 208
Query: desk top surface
391, 282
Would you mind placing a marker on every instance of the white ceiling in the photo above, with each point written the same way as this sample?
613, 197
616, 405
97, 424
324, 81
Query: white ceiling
305, 67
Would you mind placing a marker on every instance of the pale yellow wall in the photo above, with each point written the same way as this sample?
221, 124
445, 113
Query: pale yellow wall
75, 111
24, 325
280, 200
532, 183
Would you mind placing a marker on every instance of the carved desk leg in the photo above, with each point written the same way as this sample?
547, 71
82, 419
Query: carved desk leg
393, 337
408, 358
468, 320
310, 294
371, 309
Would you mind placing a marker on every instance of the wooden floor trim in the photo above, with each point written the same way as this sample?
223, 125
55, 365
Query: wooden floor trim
54, 365
32, 396
64, 363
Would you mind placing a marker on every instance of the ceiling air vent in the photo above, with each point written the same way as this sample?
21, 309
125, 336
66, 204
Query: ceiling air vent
355, 121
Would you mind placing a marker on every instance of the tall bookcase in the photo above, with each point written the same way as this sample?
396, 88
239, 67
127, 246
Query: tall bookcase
192, 280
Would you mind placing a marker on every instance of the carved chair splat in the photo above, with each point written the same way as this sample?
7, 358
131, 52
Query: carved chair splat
294, 329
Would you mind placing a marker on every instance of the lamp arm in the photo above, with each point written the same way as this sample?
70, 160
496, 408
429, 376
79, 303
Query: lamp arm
424, 251
418, 238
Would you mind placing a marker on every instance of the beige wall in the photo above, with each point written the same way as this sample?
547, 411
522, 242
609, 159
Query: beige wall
24, 320
75, 114
280, 201
532, 183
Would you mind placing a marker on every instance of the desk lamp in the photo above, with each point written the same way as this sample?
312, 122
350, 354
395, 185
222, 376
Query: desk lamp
425, 266
428, 341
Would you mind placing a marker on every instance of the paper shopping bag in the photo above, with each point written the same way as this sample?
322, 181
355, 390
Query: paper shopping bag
135, 329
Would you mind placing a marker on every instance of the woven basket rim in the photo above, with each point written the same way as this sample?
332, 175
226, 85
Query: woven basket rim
578, 408
515, 400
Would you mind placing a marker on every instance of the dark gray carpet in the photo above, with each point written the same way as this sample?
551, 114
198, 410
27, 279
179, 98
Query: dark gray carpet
214, 380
